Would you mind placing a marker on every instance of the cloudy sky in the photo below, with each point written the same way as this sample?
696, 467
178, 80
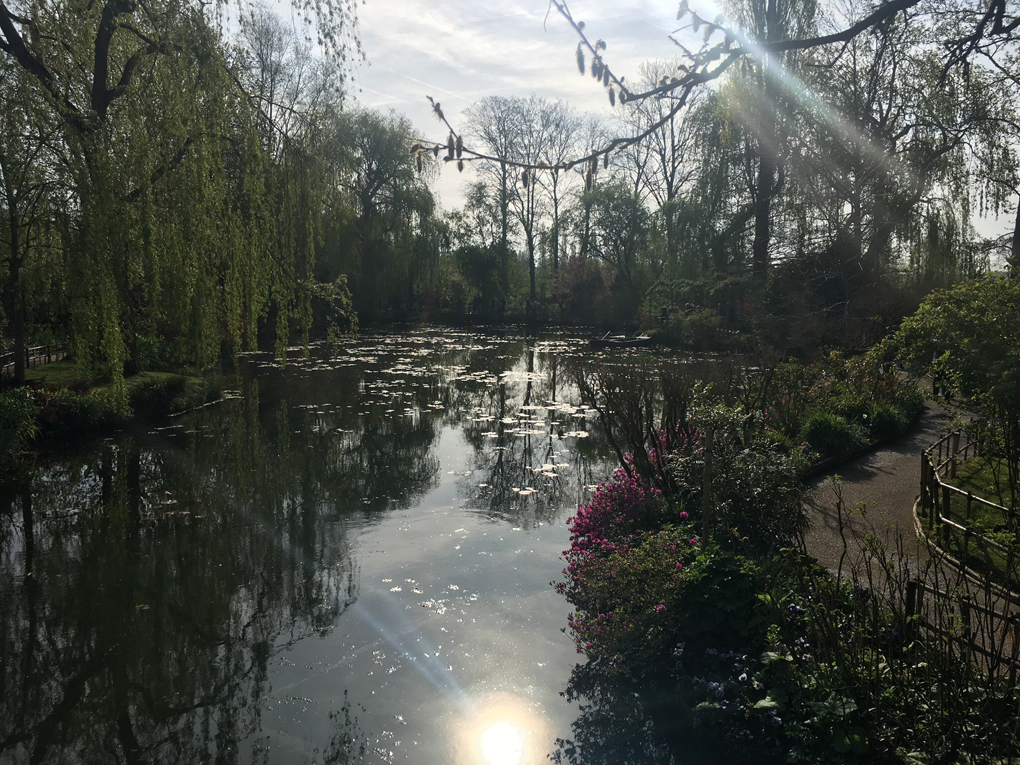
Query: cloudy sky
459, 51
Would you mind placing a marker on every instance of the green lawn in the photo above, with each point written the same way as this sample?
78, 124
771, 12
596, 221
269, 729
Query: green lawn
61, 372
150, 393
978, 476
985, 478
64, 372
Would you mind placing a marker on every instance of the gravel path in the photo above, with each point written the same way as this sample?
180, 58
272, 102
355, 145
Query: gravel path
887, 482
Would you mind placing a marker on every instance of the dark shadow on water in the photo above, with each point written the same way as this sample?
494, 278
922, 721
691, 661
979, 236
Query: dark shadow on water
150, 582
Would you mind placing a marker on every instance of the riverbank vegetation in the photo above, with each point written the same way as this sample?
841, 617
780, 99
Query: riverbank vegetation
43, 411
698, 611
746, 214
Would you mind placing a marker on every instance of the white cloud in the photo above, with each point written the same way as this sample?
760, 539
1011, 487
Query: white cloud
459, 51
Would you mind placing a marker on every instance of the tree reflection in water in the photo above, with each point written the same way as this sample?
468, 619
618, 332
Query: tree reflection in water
149, 582
156, 587
616, 726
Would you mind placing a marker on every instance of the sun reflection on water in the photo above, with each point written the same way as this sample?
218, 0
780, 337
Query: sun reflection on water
502, 744
504, 730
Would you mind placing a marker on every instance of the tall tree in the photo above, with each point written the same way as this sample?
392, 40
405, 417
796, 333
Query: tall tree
27, 157
763, 104
148, 106
493, 122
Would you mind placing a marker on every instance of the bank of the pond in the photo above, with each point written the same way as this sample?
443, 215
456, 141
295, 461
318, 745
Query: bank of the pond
714, 625
56, 403
762, 655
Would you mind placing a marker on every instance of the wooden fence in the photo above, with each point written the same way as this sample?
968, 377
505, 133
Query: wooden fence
34, 356
980, 621
939, 462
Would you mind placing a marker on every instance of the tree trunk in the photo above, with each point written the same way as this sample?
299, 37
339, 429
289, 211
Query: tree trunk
17, 302
504, 247
764, 188
556, 237
532, 299
1014, 251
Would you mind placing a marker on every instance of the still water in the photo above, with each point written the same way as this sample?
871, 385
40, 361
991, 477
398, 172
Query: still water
346, 560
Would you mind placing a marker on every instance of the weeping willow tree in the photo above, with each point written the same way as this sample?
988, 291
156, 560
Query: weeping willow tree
179, 225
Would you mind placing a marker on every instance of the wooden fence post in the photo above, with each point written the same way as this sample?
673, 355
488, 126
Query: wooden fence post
926, 488
946, 508
932, 501
966, 534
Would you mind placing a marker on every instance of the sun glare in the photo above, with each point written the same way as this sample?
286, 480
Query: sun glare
502, 744
502, 730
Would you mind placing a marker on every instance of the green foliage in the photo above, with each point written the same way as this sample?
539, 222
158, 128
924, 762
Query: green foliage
701, 329
62, 411
656, 590
755, 486
969, 336
157, 395
831, 434
886, 421
840, 404
972, 333
17, 424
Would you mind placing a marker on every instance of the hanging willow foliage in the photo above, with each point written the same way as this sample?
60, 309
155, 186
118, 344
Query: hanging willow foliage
186, 229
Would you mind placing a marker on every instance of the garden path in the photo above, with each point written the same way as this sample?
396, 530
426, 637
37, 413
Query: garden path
886, 482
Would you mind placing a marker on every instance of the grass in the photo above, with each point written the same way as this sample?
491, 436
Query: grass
150, 394
978, 477
62, 372
984, 478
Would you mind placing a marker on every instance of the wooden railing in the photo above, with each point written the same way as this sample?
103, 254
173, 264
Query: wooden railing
939, 462
34, 356
982, 621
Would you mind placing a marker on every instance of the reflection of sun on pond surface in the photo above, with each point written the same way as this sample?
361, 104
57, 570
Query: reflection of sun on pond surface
318, 564
504, 730
502, 744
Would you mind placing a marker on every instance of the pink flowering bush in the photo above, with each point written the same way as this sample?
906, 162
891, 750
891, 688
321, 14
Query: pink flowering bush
638, 591
620, 508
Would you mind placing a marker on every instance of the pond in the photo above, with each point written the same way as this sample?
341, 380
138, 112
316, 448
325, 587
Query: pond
347, 559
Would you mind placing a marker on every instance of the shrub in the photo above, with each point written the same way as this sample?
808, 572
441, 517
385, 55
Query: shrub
831, 434
641, 599
79, 385
886, 421
620, 508
153, 396
701, 329
852, 407
63, 410
910, 399
755, 484
17, 423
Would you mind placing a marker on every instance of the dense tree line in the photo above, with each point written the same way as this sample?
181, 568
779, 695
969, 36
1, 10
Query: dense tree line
171, 195
813, 194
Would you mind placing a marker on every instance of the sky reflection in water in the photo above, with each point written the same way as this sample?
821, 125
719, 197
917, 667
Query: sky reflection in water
347, 562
